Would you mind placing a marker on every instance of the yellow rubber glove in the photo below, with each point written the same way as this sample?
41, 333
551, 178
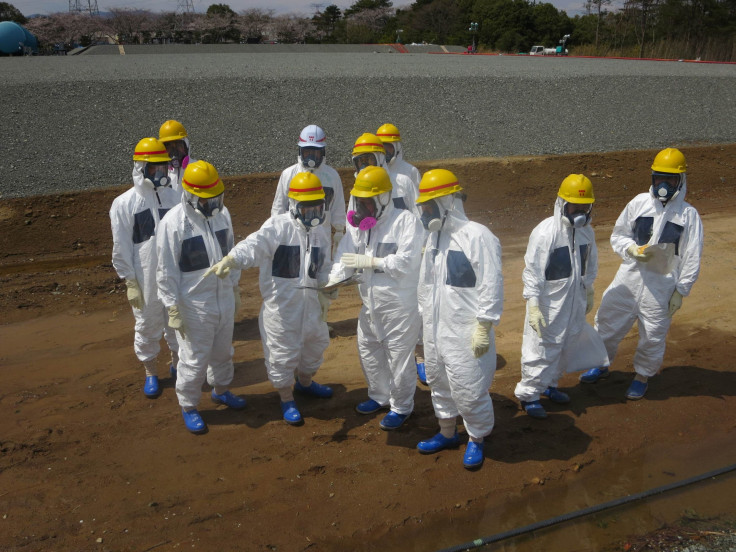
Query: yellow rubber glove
221, 269
675, 303
536, 318
480, 342
135, 294
589, 299
639, 253
176, 322
354, 260
324, 304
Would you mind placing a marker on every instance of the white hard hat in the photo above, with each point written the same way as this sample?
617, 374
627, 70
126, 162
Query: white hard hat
312, 136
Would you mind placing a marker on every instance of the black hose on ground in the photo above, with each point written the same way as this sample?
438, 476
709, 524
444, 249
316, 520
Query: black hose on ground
477, 543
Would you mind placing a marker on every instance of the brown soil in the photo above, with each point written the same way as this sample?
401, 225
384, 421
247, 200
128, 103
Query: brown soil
88, 463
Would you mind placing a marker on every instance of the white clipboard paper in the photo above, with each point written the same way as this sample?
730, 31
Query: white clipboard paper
352, 280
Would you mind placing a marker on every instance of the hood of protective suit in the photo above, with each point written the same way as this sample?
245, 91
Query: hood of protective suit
380, 158
456, 217
139, 183
398, 153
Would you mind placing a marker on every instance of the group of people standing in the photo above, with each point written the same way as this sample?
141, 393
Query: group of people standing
430, 281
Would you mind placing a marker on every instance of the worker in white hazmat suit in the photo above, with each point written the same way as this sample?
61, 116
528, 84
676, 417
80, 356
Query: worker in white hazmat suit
173, 135
391, 139
396, 164
384, 243
461, 299
369, 150
312, 158
194, 236
293, 253
561, 264
135, 216
659, 236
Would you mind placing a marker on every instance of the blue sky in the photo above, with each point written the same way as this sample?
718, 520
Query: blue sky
28, 7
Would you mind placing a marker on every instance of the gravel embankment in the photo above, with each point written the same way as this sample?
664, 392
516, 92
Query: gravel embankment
71, 123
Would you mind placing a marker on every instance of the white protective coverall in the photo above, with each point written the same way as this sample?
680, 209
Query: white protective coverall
188, 244
398, 166
135, 217
389, 323
293, 335
561, 264
460, 282
334, 208
641, 291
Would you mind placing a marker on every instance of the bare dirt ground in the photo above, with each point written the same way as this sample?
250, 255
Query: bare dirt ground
88, 463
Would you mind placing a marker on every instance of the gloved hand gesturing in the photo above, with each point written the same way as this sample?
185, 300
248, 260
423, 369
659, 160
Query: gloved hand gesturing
589, 299
135, 294
536, 318
221, 269
480, 342
641, 255
675, 303
176, 322
354, 260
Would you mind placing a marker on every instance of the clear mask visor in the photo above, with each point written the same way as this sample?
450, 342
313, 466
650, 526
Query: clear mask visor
212, 206
311, 157
157, 174
177, 150
311, 213
364, 160
665, 185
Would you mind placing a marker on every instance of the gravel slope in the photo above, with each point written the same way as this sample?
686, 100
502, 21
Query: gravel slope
72, 122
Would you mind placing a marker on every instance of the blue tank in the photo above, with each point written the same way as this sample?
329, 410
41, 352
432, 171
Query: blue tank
13, 38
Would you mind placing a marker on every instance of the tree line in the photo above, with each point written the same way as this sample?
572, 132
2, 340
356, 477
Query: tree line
679, 29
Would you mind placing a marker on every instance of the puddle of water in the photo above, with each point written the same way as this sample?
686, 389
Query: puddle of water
615, 478
606, 480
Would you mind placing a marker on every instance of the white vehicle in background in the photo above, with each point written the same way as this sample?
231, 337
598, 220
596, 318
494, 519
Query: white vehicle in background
542, 51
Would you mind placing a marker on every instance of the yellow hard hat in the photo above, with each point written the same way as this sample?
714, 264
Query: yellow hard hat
437, 183
368, 143
306, 186
371, 181
577, 188
172, 130
670, 160
388, 133
202, 179
151, 150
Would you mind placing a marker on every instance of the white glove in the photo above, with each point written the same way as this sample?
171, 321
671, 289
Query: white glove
336, 241
324, 303
675, 303
135, 294
238, 302
221, 269
590, 299
480, 342
176, 322
354, 260
638, 253
536, 319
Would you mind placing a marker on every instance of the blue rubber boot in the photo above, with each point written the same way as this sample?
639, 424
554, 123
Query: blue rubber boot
392, 420
368, 407
292, 416
194, 422
556, 396
437, 443
229, 400
314, 389
534, 409
151, 388
594, 374
473, 457
636, 390
421, 373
